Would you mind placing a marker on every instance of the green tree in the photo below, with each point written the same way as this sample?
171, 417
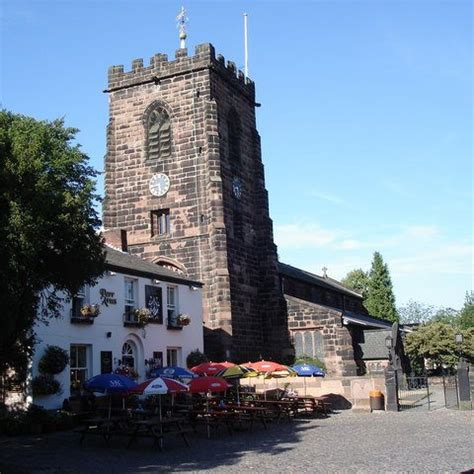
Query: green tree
357, 280
435, 341
49, 245
415, 312
380, 300
466, 315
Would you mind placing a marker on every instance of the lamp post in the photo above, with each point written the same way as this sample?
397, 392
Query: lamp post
462, 374
391, 382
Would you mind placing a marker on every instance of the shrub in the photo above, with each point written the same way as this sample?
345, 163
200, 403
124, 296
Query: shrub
45, 384
306, 359
196, 357
54, 360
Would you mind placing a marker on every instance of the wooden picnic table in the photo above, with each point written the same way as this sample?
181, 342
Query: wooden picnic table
157, 428
213, 418
312, 405
105, 427
282, 408
253, 413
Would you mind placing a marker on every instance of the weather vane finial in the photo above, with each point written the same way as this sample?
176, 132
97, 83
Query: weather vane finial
182, 19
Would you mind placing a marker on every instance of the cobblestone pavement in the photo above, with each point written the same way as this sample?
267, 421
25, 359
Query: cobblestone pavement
437, 441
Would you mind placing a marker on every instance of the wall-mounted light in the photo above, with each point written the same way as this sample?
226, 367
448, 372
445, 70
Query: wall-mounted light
110, 273
155, 281
193, 288
108, 334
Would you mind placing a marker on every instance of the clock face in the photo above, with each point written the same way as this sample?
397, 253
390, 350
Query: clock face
237, 188
159, 184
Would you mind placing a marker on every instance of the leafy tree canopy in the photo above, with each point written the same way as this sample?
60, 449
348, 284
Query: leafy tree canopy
466, 315
380, 300
357, 280
49, 241
436, 341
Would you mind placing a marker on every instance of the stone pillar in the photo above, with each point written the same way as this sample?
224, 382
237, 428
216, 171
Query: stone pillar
463, 385
391, 387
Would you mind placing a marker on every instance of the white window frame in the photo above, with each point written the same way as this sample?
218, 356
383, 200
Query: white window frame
75, 367
172, 305
130, 303
175, 358
80, 299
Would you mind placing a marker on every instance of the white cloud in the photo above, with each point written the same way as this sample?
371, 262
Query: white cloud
351, 244
302, 235
328, 197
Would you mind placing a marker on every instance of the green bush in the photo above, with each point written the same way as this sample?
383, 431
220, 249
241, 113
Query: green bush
45, 384
196, 357
306, 359
54, 360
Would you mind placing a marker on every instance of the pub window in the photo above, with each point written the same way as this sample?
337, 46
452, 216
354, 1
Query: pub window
173, 356
158, 134
79, 367
160, 222
78, 301
233, 136
172, 305
130, 299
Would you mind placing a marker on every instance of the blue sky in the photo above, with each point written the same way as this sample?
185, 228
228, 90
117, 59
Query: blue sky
366, 117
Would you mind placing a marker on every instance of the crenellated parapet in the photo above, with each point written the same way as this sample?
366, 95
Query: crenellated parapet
161, 69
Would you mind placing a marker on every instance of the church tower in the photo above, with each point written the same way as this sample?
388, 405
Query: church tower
185, 179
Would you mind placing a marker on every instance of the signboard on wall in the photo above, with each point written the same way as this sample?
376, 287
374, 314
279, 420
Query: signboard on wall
154, 302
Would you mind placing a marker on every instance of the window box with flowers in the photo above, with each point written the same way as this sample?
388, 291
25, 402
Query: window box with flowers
86, 314
179, 321
138, 317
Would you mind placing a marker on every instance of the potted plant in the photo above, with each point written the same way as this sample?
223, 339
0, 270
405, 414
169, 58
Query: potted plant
54, 360
183, 319
90, 310
45, 384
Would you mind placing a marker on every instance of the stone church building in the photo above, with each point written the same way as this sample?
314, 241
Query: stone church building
185, 189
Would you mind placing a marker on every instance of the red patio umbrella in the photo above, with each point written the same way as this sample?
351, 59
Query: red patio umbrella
211, 368
208, 384
266, 366
205, 385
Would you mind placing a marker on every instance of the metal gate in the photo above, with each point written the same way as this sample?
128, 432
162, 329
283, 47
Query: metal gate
450, 390
413, 393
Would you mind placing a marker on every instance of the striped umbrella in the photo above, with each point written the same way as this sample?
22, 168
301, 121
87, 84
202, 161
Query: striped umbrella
238, 372
160, 386
211, 368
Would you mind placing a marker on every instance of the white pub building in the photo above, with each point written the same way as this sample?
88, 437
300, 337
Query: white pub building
138, 316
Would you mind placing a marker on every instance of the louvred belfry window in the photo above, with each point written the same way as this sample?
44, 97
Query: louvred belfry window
159, 134
234, 132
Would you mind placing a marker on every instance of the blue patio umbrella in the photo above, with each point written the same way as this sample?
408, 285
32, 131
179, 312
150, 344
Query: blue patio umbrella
109, 384
173, 372
308, 370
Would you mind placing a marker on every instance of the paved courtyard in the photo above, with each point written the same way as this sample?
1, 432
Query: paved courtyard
437, 441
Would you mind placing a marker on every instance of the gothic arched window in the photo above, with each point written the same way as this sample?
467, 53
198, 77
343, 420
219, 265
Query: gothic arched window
233, 136
158, 127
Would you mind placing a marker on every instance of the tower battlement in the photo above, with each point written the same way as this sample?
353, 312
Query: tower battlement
160, 69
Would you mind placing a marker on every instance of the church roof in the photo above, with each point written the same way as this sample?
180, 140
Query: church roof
364, 320
373, 346
123, 262
312, 279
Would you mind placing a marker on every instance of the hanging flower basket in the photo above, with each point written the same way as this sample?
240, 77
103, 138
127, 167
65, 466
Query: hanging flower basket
127, 371
183, 319
90, 310
142, 315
